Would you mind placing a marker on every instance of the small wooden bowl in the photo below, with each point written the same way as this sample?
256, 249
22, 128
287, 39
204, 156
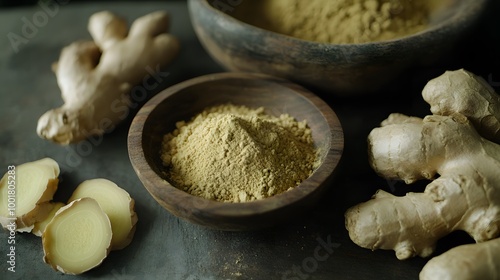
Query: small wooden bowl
182, 101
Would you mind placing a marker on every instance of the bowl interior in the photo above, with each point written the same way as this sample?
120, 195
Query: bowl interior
337, 69
183, 101
440, 11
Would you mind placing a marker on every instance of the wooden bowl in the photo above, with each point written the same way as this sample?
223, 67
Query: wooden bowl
339, 69
182, 101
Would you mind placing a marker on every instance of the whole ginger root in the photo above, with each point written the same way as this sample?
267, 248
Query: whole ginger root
96, 77
466, 194
471, 261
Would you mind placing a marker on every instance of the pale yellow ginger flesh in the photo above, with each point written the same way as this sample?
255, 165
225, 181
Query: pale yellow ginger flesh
465, 262
78, 238
116, 203
98, 78
39, 227
464, 193
25, 194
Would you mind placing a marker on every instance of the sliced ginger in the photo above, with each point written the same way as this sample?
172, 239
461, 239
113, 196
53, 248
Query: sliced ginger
35, 184
116, 203
39, 227
78, 238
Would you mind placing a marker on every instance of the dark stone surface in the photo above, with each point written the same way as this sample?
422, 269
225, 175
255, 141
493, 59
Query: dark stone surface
164, 246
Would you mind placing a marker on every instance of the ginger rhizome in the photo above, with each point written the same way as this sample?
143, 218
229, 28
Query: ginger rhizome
39, 227
99, 217
96, 78
471, 261
464, 193
26, 193
78, 238
116, 203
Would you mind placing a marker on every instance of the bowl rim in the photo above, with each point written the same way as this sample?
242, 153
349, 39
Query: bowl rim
149, 177
453, 22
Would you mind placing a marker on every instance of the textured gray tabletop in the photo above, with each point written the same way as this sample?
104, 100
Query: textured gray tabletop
164, 246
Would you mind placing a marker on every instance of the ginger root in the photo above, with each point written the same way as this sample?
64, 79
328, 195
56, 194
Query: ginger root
471, 261
96, 77
39, 227
99, 217
466, 194
78, 238
471, 96
26, 193
116, 203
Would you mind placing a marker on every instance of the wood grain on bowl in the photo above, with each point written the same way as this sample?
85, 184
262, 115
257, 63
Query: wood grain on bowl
277, 96
336, 69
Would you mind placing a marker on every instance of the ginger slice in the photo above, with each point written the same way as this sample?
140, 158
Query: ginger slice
116, 203
39, 227
78, 238
26, 192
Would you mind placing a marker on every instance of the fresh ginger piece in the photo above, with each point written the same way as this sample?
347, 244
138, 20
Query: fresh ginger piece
96, 78
453, 145
25, 194
465, 197
470, 95
39, 227
116, 203
78, 238
471, 261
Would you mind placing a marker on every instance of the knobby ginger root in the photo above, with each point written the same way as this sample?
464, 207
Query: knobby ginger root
471, 261
471, 96
25, 194
96, 77
78, 238
116, 203
465, 196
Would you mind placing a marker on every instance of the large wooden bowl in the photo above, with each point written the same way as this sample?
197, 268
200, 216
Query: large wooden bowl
338, 69
182, 101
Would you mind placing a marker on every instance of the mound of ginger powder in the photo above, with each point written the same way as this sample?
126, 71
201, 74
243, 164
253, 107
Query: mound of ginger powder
339, 21
234, 153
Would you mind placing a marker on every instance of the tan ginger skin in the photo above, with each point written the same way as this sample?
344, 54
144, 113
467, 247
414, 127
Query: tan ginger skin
471, 261
96, 77
465, 196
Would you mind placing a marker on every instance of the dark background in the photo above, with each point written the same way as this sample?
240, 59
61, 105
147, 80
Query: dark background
166, 247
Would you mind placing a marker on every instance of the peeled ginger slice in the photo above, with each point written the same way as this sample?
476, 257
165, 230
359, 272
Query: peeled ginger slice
25, 193
39, 227
116, 203
78, 238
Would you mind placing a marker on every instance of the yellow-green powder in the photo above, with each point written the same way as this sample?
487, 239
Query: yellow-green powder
236, 154
338, 21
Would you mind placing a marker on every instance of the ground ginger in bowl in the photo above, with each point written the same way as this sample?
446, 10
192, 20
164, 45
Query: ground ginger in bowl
232, 153
339, 21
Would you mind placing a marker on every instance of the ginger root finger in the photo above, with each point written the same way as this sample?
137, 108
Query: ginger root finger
470, 95
465, 197
96, 77
471, 261
25, 196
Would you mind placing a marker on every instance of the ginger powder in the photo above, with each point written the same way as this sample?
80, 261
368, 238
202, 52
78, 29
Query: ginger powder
338, 21
233, 153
